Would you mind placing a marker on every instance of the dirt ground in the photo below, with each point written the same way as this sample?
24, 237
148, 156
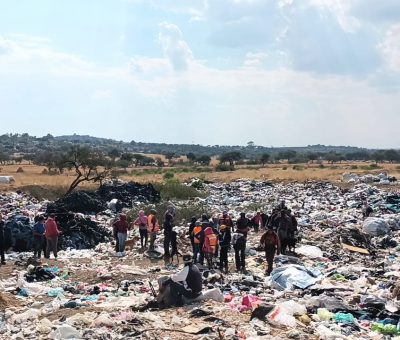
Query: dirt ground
32, 174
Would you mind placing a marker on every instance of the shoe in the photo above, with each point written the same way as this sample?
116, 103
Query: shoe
123, 254
119, 254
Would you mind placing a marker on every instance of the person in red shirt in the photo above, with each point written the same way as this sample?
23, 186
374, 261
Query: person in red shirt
51, 233
121, 228
271, 243
256, 221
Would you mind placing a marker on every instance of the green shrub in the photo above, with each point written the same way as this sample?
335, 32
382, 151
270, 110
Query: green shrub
354, 167
223, 167
20, 169
284, 168
182, 214
321, 166
168, 175
198, 184
298, 167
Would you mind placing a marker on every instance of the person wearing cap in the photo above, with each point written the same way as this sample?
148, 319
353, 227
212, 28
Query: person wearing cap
199, 238
225, 220
38, 238
224, 239
188, 282
122, 227
3, 259
51, 233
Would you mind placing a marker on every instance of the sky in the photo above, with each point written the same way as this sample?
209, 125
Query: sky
226, 72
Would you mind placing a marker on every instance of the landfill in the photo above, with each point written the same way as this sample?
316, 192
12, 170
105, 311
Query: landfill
83, 216
341, 282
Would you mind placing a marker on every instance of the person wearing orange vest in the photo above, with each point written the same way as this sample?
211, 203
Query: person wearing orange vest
198, 240
209, 246
153, 226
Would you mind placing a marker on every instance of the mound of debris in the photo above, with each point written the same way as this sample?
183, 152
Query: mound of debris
126, 193
79, 232
115, 195
85, 202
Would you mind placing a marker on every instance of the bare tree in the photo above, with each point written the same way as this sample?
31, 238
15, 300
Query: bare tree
89, 166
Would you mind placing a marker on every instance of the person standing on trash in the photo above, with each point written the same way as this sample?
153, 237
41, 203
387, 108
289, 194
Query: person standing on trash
271, 244
225, 219
285, 230
224, 239
264, 220
239, 239
186, 283
256, 221
38, 238
51, 233
114, 230
209, 246
2, 245
154, 228
122, 227
167, 226
198, 237
141, 222
192, 225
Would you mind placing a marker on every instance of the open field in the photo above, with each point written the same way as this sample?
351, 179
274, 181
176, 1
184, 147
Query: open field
32, 175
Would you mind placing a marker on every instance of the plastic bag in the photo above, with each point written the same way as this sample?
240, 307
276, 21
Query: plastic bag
56, 292
344, 318
294, 276
376, 226
310, 251
65, 332
282, 315
324, 314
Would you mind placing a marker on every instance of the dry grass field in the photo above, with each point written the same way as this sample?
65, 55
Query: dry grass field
32, 175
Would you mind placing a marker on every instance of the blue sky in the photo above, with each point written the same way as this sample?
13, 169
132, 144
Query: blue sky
280, 72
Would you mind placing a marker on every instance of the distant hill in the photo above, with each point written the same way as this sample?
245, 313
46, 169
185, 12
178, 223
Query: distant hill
26, 144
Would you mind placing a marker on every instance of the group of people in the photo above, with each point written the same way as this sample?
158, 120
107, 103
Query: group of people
149, 228
212, 239
45, 237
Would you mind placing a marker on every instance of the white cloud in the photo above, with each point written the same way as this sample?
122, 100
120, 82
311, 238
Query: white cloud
341, 9
175, 48
26, 55
102, 94
255, 59
390, 48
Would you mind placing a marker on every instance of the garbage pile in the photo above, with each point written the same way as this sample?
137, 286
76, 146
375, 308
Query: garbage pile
381, 178
82, 216
114, 195
342, 281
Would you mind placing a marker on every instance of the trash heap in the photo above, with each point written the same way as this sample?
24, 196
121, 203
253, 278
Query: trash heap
342, 282
83, 216
381, 178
